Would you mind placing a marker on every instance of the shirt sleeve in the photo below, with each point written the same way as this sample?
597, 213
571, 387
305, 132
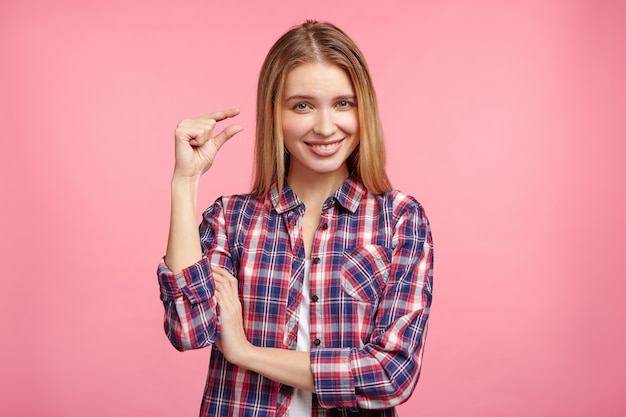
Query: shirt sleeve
191, 319
383, 373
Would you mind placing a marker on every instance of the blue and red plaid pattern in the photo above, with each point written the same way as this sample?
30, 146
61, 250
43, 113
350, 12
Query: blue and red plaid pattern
371, 287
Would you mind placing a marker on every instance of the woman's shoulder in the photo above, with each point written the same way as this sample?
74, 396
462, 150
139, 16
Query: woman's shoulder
241, 199
236, 204
407, 213
399, 201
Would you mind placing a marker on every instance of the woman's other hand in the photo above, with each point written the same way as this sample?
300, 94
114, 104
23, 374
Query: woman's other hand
232, 342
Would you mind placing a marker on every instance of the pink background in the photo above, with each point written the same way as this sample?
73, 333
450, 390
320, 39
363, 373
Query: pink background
506, 119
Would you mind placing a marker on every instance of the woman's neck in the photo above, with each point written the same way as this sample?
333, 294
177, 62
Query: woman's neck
314, 189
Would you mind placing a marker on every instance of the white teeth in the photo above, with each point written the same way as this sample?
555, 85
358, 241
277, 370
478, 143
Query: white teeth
326, 147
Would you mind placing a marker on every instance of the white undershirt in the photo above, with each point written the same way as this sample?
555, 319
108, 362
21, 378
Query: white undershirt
301, 400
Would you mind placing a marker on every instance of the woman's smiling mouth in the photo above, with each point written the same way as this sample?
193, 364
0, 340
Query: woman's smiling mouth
326, 148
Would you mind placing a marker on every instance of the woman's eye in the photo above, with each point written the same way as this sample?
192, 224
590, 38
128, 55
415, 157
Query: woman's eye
344, 104
301, 106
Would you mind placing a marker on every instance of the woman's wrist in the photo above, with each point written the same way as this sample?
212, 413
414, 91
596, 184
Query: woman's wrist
182, 180
247, 355
185, 188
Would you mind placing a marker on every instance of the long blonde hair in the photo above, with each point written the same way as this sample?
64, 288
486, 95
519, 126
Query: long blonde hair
316, 42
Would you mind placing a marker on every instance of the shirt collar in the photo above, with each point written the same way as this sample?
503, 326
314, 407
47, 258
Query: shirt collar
285, 201
348, 195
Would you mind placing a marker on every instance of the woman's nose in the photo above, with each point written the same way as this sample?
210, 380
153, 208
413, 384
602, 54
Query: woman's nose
324, 123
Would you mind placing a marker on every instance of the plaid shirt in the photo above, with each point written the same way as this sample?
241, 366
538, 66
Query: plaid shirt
370, 282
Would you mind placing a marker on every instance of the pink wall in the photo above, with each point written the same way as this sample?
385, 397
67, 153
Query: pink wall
506, 119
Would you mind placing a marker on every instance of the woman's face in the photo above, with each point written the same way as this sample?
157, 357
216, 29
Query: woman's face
320, 120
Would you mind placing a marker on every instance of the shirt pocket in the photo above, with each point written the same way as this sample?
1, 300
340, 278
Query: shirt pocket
365, 271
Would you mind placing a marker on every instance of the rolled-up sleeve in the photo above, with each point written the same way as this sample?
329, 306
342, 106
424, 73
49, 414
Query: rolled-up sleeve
383, 373
191, 320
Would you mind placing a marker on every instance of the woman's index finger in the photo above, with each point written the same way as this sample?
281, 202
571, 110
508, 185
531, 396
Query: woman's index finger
223, 114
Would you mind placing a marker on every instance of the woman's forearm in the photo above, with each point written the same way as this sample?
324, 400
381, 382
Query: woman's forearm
284, 366
183, 246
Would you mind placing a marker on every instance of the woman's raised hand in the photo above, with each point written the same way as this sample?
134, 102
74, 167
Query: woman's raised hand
196, 143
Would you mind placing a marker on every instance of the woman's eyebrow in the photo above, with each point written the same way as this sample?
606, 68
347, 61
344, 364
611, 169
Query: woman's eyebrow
307, 97
299, 97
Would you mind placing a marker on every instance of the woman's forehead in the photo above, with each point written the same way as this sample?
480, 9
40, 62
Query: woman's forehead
318, 78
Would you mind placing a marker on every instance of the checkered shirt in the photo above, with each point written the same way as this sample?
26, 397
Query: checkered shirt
370, 290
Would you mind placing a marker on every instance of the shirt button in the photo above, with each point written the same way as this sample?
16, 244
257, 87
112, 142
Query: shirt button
325, 226
317, 342
314, 298
317, 260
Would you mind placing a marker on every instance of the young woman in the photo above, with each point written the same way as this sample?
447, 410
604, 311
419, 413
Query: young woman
314, 288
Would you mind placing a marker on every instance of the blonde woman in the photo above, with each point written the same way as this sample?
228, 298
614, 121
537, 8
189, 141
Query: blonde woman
314, 288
